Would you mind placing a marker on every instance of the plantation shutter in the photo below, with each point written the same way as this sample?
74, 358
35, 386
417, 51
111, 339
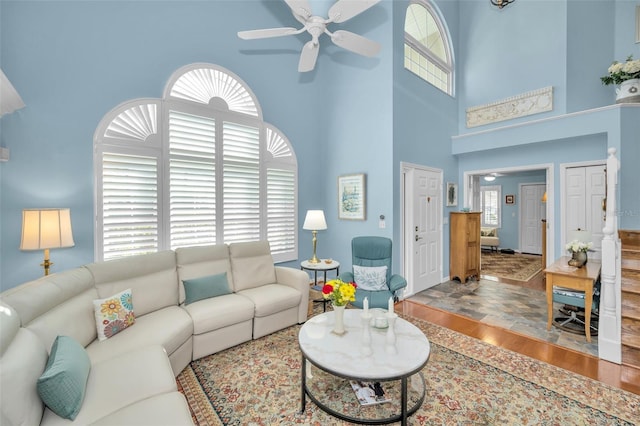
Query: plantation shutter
192, 180
197, 167
129, 205
281, 211
241, 177
490, 205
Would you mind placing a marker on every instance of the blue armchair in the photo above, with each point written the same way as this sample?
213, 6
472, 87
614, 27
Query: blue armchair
373, 253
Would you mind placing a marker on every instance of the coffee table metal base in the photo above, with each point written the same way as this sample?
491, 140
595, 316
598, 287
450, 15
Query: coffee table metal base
326, 389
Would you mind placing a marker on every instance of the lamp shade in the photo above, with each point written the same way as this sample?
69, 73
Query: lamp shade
45, 229
10, 100
314, 221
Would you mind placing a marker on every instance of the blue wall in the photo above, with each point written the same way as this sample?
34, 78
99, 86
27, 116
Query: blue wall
424, 120
74, 61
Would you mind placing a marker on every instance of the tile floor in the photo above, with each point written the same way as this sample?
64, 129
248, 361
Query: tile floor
516, 308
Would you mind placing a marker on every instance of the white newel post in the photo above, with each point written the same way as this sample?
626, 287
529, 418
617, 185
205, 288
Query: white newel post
609, 347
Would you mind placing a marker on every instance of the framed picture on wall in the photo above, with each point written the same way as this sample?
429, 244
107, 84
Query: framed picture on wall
452, 194
352, 197
510, 199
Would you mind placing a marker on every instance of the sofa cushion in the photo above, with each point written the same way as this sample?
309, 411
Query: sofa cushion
36, 297
62, 385
152, 278
251, 264
22, 362
114, 314
218, 312
205, 287
169, 327
120, 381
372, 278
272, 298
199, 261
168, 409
58, 304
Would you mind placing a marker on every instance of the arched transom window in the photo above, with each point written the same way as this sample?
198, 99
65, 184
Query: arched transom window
427, 51
197, 167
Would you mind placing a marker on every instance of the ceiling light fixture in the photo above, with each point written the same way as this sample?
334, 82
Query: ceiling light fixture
489, 178
501, 3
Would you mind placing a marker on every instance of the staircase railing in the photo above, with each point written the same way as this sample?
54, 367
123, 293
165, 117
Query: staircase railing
609, 326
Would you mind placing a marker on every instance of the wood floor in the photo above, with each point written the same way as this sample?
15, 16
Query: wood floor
626, 378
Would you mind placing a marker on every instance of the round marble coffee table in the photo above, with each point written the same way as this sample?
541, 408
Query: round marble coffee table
338, 359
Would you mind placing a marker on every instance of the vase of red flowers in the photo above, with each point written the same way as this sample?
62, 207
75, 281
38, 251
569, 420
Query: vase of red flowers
340, 293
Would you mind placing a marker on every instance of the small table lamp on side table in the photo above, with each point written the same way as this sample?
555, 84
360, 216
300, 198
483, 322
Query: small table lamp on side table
323, 266
314, 222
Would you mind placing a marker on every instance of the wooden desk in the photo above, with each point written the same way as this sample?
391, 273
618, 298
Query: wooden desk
582, 279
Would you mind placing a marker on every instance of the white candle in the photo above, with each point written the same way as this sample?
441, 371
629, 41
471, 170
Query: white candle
390, 309
365, 304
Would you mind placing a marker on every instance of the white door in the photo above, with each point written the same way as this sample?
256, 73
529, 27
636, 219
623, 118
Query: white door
585, 189
423, 229
531, 214
595, 194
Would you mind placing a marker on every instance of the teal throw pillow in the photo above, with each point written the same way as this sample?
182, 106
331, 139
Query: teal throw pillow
205, 287
62, 385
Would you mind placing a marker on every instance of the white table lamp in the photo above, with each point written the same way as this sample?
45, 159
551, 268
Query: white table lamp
44, 229
314, 222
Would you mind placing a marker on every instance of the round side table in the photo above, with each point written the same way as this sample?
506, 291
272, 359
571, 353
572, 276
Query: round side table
323, 266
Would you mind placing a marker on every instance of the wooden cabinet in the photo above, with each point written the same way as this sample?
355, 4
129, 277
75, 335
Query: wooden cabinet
464, 245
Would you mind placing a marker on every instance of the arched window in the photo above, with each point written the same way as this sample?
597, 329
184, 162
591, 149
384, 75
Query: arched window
197, 167
427, 51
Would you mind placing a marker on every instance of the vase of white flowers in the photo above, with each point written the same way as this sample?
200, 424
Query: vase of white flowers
578, 250
627, 76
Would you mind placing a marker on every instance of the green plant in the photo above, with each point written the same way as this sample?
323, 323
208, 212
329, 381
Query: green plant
622, 71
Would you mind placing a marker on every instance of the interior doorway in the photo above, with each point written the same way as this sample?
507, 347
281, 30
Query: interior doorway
421, 204
471, 197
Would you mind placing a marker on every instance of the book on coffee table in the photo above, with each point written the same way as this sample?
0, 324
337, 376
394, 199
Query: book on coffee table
369, 393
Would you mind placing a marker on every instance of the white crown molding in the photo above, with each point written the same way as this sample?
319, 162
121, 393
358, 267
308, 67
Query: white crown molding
529, 103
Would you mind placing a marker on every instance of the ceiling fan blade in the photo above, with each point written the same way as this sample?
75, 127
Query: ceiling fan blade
343, 10
266, 33
301, 9
355, 43
309, 56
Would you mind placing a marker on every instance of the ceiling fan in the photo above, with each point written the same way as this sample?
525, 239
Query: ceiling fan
341, 11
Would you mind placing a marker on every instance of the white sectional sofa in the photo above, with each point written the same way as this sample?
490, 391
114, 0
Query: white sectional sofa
131, 375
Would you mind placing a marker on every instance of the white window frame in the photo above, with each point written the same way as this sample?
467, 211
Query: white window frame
446, 67
141, 127
498, 190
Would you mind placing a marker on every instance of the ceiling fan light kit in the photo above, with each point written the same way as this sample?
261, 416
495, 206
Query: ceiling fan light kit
341, 11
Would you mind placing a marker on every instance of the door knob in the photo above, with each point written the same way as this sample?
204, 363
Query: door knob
418, 238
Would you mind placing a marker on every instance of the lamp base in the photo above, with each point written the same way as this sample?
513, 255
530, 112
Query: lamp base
314, 259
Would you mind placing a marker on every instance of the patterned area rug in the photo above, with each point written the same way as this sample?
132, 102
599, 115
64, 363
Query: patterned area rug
519, 267
467, 382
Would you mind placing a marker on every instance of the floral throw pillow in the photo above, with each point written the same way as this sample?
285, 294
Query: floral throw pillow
114, 314
372, 278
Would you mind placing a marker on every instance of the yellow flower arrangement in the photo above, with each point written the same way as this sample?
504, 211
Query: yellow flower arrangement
339, 292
